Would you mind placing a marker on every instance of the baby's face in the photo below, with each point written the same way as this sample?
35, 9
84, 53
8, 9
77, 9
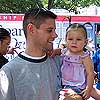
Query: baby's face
76, 40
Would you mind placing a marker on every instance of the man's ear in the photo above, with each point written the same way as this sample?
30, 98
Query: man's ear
30, 28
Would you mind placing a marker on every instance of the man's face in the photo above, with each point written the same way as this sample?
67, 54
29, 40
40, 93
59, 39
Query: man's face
46, 35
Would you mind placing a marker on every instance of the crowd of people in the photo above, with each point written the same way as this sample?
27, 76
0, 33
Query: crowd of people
35, 75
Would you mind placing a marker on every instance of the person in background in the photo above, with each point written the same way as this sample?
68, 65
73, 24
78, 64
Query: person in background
96, 60
33, 75
77, 66
98, 39
5, 40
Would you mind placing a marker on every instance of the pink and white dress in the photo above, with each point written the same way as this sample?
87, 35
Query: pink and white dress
73, 70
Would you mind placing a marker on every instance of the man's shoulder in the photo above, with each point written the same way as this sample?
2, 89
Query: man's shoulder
57, 57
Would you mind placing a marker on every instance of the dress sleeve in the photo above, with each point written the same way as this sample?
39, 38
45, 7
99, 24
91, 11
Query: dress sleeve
87, 53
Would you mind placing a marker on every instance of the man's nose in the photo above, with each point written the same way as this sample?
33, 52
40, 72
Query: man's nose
55, 35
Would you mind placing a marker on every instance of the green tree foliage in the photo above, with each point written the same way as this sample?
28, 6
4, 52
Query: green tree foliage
18, 6
72, 5
21, 6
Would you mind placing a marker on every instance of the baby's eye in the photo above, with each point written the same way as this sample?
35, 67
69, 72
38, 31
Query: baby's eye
70, 39
78, 39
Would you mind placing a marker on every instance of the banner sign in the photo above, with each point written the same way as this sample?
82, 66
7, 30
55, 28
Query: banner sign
13, 23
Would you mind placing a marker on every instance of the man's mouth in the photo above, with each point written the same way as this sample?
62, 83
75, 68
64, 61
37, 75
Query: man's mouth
50, 41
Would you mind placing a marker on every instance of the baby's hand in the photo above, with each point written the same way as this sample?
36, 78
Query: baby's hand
54, 52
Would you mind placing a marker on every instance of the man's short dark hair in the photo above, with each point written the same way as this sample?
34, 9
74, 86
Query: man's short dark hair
36, 16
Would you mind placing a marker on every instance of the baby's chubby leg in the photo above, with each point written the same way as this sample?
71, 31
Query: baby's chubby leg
69, 94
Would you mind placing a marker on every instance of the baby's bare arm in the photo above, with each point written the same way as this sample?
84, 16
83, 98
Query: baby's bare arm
88, 63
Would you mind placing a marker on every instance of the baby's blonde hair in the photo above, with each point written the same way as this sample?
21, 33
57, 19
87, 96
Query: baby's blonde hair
76, 26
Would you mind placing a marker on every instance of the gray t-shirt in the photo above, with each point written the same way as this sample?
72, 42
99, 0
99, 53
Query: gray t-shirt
30, 79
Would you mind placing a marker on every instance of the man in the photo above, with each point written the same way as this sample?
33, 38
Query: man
33, 75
